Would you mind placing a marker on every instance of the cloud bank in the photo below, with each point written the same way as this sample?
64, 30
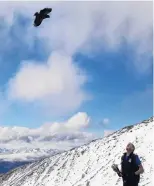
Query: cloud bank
50, 136
74, 124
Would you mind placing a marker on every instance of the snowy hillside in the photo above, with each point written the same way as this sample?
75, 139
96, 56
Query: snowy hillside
89, 165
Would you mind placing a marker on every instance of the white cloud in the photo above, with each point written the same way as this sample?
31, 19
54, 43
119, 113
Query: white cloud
85, 26
82, 26
74, 124
105, 121
57, 84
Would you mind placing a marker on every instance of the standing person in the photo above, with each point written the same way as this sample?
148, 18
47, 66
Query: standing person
131, 167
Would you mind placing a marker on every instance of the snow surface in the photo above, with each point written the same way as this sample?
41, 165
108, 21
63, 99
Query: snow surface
89, 165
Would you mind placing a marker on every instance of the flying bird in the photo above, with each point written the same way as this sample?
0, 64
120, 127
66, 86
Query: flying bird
43, 14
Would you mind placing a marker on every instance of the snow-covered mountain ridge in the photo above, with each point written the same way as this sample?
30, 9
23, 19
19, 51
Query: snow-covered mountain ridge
89, 165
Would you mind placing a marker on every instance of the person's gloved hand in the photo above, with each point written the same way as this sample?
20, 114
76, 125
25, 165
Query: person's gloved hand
116, 169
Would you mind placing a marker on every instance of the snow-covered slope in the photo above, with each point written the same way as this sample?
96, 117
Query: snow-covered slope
89, 165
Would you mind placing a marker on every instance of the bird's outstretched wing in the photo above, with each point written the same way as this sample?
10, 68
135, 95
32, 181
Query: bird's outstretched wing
45, 11
37, 21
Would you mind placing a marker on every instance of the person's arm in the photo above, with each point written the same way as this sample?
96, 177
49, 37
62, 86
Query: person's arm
141, 169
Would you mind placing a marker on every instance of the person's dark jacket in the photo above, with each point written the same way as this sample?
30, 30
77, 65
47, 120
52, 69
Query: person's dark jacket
129, 167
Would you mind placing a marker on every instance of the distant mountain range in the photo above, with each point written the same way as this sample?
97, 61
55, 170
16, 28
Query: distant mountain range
19, 145
22, 144
89, 164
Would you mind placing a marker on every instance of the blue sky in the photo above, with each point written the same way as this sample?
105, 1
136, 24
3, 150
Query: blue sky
90, 65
